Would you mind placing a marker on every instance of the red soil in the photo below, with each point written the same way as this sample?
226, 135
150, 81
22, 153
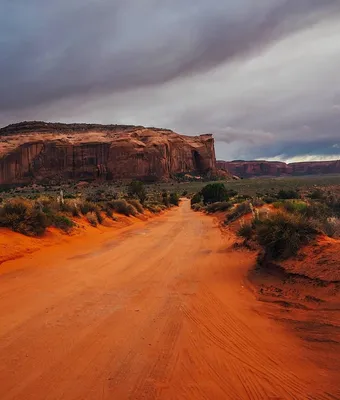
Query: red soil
158, 311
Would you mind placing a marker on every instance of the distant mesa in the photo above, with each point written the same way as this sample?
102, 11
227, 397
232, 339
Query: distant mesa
40, 151
247, 169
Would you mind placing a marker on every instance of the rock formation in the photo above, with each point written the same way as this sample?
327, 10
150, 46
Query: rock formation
247, 169
316, 167
37, 151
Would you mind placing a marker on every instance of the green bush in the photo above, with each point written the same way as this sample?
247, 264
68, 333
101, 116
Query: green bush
245, 231
196, 199
138, 206
239, 211
288, 194
317, 194
154, 208
20, 216
269, 199
121, 206
92, 218
257, 202
197, 207
333, 204
278, 204
66, 207
165, 198
137, 189
331, 227
75, 211
214, 192
283, 234
87, 207
296, 206
174, 199
231, 193
109, 212
99, 216
62, 222
218, 207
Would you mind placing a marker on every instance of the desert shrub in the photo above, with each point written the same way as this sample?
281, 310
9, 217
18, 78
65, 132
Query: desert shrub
288, 194
245, 231
283, 234
109, 212
317, 194
331, 227
121, 206
269, 199
242, 197
136, 203
295, 206
66, 207
137, 189
92, 218
165, 198
317, 210
333, 203
99, 216
278, 204
62, 222
70, 196
197, 207
75, 210
232, 193
239, 211
184, 193
217, 207
214, 192
174, 199
34, 224
87, 207
257, 202
154, 208
196, 199
20, 216
48, 205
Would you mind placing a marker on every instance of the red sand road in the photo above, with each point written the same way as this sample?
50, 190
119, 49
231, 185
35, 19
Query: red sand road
159, 312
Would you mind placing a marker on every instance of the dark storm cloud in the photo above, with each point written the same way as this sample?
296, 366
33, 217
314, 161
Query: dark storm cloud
54, 50
261, 75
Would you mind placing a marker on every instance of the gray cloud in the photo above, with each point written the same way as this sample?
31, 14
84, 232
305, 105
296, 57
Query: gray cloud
258, 76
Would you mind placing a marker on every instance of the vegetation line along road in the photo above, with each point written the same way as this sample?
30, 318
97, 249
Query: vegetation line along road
146, 316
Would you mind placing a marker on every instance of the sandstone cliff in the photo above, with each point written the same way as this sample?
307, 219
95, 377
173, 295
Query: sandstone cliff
316, 167
34, 151
246, 169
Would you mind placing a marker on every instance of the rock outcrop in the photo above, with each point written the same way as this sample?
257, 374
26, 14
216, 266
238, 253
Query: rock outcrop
247, 169
316, 167
37, 151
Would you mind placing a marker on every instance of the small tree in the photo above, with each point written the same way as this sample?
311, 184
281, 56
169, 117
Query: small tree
137, 189
214, 192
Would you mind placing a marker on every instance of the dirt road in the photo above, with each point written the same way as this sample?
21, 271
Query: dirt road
159, 312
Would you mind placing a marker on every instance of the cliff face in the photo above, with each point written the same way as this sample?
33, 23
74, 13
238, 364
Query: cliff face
246, 169
33, 151
316, 167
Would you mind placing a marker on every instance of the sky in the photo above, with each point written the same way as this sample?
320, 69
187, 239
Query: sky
263, 76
